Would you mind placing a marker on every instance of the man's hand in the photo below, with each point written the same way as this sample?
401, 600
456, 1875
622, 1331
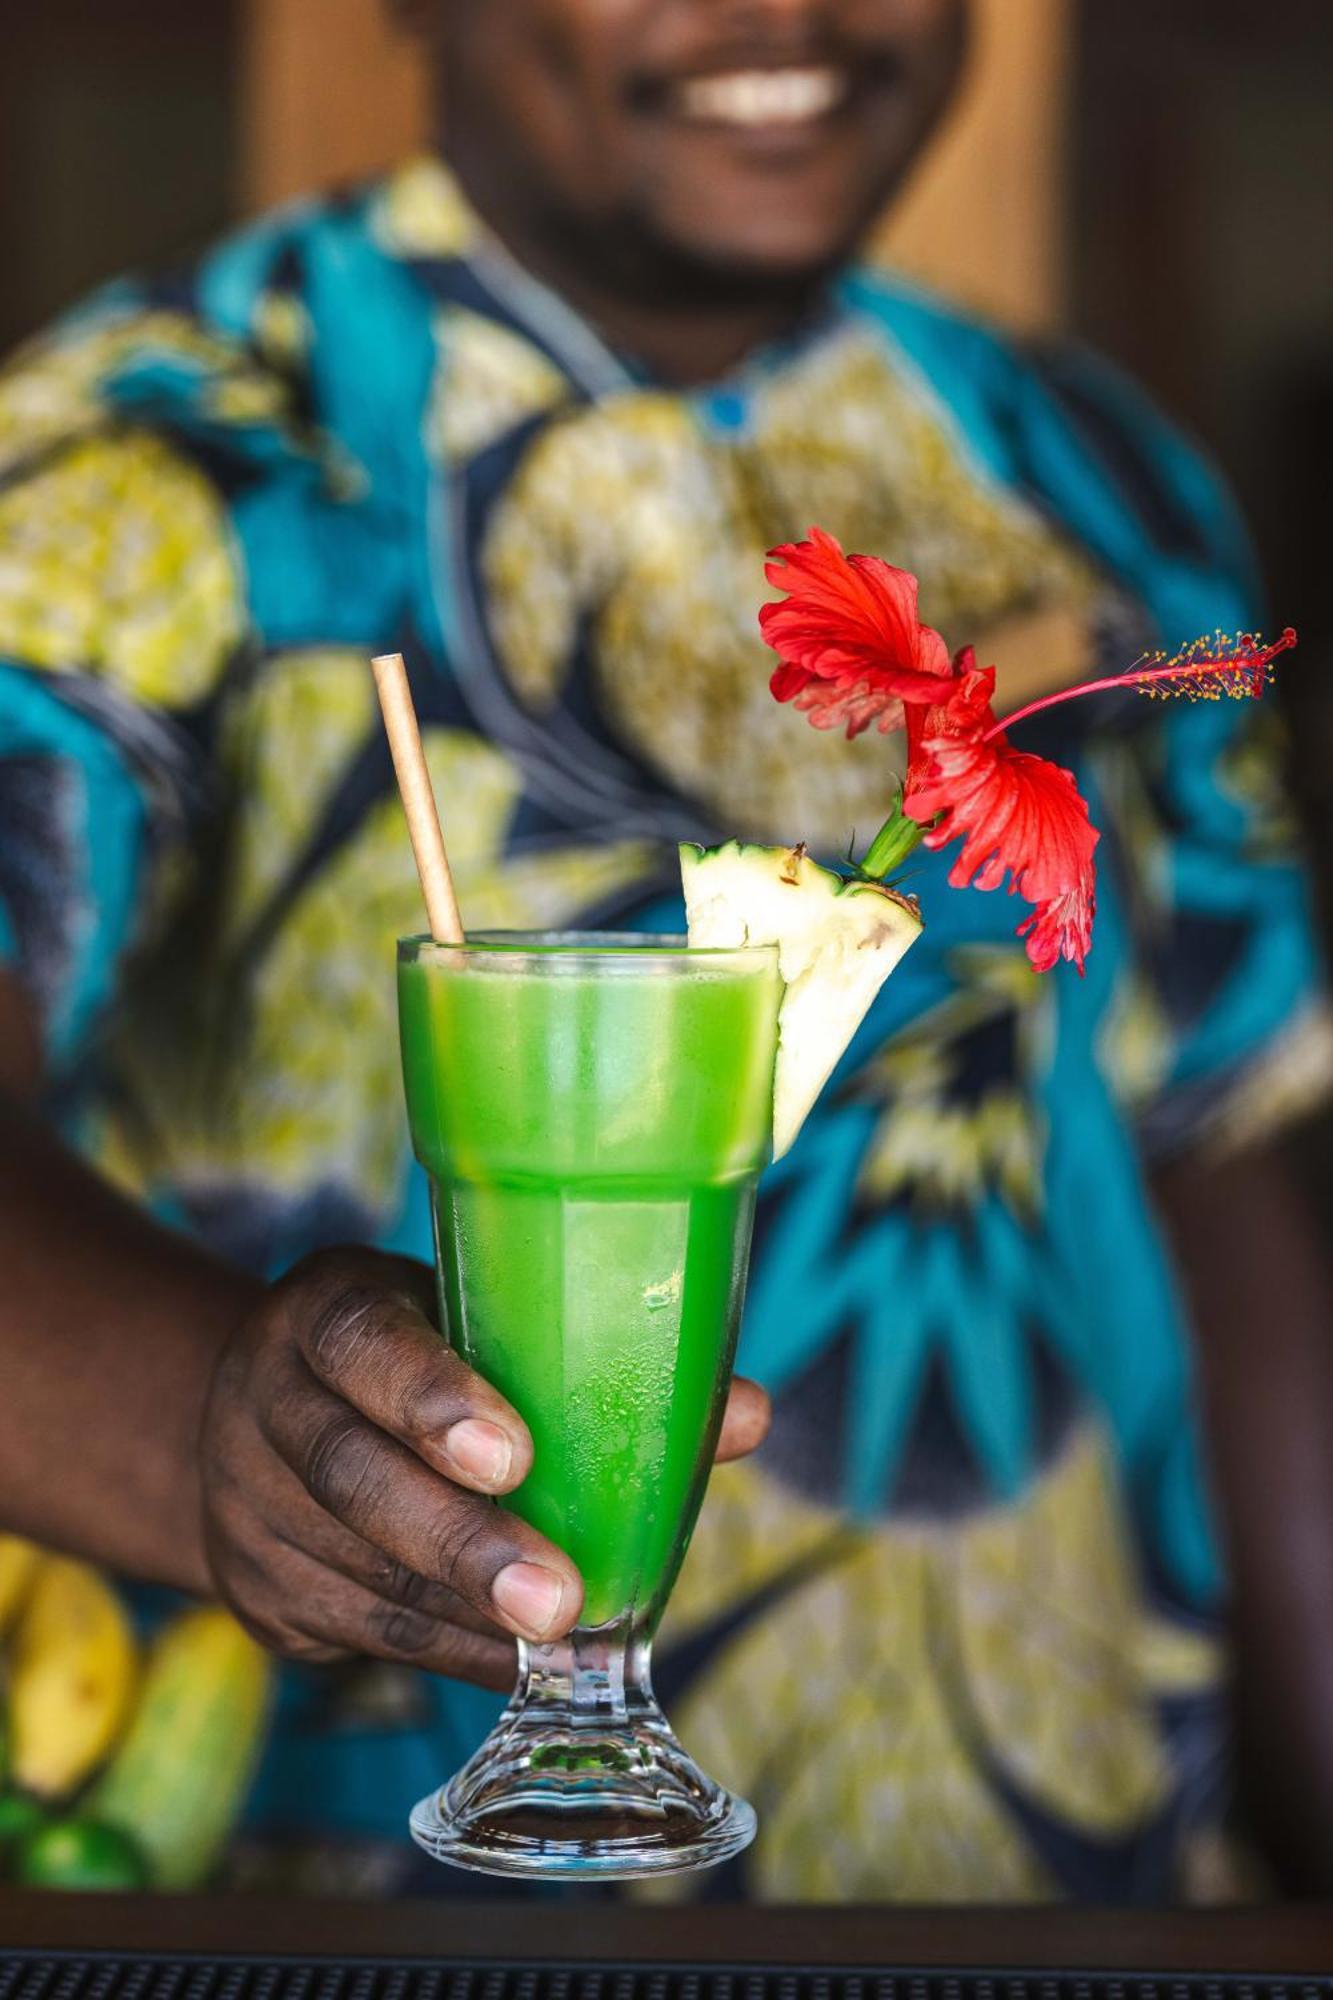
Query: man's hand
348, 1461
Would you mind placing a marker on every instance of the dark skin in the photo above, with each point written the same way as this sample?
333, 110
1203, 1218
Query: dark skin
296, 1449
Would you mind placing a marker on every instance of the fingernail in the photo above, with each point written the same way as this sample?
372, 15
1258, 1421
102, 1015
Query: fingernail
479, 1449
530, 1595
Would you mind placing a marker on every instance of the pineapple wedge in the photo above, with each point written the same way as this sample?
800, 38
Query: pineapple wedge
837, 941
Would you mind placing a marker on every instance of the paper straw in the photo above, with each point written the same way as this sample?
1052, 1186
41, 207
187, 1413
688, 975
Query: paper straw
423, 819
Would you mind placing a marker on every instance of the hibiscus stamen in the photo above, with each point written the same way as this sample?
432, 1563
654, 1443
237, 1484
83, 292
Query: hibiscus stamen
1237, 668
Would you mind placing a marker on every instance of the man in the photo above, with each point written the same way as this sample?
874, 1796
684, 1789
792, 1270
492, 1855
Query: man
532, 412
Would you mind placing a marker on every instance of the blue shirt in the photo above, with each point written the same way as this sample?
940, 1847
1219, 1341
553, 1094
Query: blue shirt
954, 1630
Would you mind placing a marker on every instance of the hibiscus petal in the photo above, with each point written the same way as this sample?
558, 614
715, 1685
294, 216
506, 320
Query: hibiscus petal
857, 705
850, 621
1014, 813
786, 681
1061, 928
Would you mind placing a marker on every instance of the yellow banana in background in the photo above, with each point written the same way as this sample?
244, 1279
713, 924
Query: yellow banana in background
18, 1566
73, 1672
178, 1780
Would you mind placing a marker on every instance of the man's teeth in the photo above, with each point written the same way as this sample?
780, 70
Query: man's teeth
762, 96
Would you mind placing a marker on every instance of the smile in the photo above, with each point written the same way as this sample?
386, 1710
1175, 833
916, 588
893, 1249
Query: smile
756, 97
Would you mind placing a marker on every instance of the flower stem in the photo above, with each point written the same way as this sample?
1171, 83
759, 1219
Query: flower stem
891, 846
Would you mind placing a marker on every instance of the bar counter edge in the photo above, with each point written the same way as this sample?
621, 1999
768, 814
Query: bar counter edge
1289, 1939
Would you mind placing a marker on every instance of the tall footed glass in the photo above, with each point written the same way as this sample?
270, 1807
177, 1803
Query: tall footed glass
593, 1112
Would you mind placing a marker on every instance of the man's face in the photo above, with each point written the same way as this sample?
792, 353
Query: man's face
748, 138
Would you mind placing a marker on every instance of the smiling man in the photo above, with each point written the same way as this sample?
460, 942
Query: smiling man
711, 163
532, 410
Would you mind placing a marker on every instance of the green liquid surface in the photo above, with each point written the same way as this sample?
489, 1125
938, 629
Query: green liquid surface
594, 1139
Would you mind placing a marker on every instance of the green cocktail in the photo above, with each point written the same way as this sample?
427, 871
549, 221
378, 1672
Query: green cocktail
593, 1138
593, 1113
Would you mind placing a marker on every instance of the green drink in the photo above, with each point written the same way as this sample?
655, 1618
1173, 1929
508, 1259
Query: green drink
593, 1114
593, 1140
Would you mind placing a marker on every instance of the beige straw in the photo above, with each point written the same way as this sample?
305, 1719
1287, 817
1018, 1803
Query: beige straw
423, 819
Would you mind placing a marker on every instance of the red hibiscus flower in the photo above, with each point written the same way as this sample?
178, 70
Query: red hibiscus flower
1016, 814
852, 649
851, 646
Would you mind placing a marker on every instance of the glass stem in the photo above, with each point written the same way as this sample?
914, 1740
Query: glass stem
598, 1677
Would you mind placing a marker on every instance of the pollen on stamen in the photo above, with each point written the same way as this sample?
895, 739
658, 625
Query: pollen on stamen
1237, 666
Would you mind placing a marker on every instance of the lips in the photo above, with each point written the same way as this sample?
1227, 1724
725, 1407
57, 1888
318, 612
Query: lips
747, 99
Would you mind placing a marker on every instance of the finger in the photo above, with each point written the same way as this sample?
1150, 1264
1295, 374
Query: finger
392, 1581
745, 1423
383, 1493
272, 1502
358, 1322
335, 1617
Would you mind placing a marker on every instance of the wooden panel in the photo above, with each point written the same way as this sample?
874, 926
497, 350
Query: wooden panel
984, 217
116, 143
331, 92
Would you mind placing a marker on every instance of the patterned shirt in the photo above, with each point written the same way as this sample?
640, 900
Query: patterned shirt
953, 1630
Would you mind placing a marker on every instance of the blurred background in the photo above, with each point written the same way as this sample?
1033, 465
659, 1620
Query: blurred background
1157, 180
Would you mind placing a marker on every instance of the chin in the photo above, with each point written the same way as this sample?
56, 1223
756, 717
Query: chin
776, 255
784, 249
788, 212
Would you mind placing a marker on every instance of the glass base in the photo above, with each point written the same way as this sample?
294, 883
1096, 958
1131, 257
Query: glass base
582, 1776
